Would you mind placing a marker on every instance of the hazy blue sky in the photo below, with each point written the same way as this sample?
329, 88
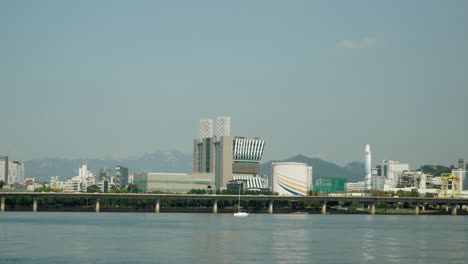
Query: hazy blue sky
87, 79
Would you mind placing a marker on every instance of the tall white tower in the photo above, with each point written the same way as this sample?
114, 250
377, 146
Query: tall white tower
368, 167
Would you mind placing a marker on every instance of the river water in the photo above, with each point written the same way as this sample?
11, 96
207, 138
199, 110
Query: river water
60, 237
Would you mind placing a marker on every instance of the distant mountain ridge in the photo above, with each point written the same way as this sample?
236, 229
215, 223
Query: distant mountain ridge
353, 171
161, 161
175, 161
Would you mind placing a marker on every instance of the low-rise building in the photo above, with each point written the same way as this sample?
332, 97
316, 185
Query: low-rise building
355, 186
173, 182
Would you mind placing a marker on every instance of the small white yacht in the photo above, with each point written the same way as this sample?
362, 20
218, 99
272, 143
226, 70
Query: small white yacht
240, 213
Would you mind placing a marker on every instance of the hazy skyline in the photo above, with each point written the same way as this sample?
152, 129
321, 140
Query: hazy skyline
95, 79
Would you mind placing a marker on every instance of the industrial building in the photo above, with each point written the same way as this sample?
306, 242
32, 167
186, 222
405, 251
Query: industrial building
173, 182
291, 178
224, 155
391, 169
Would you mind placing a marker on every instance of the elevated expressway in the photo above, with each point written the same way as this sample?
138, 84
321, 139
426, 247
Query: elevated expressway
452, 203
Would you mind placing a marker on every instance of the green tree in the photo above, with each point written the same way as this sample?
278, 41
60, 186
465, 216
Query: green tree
132, 188
436, 170
44, 188
429, 195
414, 193
2, 183
93, 189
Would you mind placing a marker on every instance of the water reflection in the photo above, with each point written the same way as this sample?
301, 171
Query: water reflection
205, 238
368, 245
290, 242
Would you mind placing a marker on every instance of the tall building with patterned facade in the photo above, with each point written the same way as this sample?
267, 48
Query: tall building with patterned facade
224, 155
120, 176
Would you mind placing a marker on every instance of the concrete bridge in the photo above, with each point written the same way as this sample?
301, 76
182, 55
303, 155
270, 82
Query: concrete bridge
417, 202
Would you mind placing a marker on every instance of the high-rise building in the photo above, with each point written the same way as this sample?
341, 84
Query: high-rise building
81, 182
4, 169
11, 171
226, 155
120, 176
15, 172
84, 172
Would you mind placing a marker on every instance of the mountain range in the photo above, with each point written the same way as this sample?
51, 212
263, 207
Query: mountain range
174, 161
353, 171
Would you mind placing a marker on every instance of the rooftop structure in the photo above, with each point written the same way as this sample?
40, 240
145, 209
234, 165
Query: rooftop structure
206, 128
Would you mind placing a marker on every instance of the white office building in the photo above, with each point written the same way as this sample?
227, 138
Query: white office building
15, 172
356, 186
391, 169
79, 183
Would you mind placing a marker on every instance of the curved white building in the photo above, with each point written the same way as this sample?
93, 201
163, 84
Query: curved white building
291, 178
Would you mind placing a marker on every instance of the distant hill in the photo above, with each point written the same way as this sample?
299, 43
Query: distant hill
159, 161
174, 161
353, 171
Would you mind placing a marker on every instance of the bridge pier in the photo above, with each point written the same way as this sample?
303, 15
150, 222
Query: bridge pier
2, 206
157, 205
454, 209
372, 209
324, 208
34, 207
215, 206
416, 209
423, 208
270, 207
97, 205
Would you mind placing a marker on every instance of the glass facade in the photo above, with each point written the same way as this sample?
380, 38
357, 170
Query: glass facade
330, 185
218, 181
200, 157
208, 154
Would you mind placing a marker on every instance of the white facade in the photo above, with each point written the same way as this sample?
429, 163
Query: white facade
206, 128
461, 174
84, 172
81, 182
248, 149
377, 182
291, 178
4, 168
223, 126
368, 168
15, 172
252, 182
390, 170
355, 186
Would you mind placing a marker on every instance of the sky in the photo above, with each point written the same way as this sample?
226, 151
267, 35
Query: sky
112, 79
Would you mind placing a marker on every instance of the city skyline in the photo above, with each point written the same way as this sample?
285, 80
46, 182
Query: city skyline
95, 80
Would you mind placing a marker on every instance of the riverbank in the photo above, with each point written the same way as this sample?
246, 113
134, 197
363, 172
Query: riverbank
330, 211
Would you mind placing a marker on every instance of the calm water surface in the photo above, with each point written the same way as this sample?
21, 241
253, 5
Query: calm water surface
47, 237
